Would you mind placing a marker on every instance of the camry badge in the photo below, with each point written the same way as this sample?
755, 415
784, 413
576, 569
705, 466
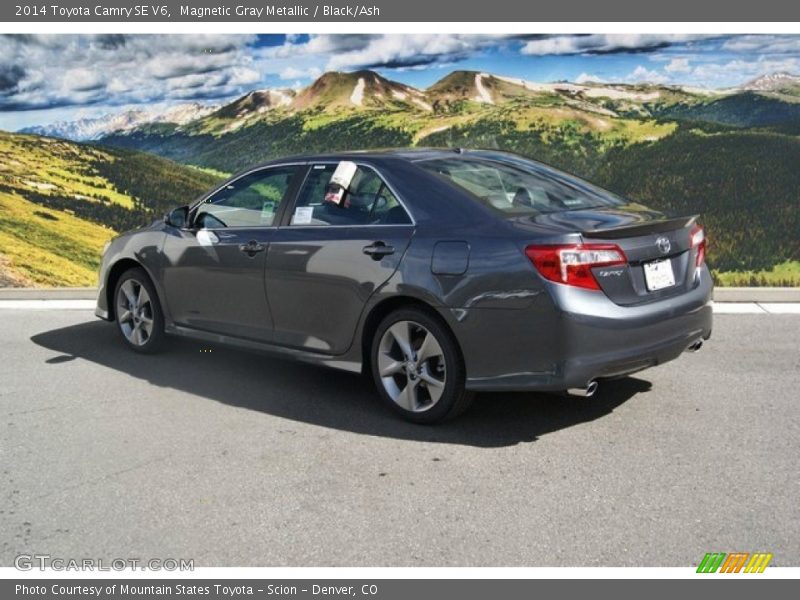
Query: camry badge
663, 245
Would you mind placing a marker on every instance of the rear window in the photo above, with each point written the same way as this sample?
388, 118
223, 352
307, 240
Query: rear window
519, 187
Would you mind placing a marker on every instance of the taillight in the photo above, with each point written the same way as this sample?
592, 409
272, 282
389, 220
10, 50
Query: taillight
572, 264
697, 239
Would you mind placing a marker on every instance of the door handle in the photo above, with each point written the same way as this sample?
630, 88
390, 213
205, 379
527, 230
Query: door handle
252, 248
378, 250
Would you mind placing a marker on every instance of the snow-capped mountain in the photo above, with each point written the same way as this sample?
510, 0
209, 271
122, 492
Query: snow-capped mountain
184, 113
93, 128
771, 82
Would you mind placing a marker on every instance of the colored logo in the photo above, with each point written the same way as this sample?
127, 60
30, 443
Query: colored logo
736, 562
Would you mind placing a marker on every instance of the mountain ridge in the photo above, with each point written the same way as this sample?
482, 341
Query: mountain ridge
369, 90
94, 128
771, 82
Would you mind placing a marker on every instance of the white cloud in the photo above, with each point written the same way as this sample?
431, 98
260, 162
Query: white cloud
588, 78
714, 73
644, 75
347, 52
82, 80
763, 44
601, 43
410, 50
69, 70
243, 76
678, 65
293, 73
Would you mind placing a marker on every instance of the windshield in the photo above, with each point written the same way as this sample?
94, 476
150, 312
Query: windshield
519, 187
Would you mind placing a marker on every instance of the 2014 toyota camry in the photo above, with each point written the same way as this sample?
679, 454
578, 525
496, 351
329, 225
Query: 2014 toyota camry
439, 272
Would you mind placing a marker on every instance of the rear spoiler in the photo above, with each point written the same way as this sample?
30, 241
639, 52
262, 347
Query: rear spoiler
661, 226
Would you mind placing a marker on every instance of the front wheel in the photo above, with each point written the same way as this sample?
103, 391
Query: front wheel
418, 368
138, 313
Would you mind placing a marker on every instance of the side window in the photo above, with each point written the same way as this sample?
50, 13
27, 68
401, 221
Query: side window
367, 200
250, 201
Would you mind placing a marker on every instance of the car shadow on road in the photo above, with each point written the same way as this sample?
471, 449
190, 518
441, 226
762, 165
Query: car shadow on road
325, 397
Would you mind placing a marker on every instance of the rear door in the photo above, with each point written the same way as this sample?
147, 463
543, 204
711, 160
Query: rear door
337, 245
214, 270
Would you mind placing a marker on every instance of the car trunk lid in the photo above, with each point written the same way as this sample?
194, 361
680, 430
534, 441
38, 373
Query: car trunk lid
660, 259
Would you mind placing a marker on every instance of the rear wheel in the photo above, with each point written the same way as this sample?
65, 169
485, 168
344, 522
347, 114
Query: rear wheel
138, 313
418, 368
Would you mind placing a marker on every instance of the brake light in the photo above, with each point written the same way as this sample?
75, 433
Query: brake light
572, 264
697, 239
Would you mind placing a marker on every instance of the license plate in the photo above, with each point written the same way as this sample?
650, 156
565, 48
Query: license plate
658, 275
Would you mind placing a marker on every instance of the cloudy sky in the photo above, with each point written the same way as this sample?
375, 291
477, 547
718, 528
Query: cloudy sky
64, 77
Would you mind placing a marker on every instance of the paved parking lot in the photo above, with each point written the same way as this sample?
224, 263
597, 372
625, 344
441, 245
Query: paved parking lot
238, 459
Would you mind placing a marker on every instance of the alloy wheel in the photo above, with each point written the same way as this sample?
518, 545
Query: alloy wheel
411, 365
135, 312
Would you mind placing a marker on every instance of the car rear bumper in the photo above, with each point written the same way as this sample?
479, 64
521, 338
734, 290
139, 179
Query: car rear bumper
588, 337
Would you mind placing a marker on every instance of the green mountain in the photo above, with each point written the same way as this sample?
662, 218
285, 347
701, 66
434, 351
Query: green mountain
746, 109
61, 201
360, 89
363, 109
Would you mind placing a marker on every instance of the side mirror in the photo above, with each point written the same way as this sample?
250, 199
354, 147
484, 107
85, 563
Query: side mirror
177, 217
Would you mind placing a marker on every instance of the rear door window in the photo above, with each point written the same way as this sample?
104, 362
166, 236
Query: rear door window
361, 198
517, 188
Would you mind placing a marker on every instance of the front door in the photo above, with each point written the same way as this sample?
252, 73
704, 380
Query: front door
338, 247
214, 271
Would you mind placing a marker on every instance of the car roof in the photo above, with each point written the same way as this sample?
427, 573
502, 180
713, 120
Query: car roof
380, 155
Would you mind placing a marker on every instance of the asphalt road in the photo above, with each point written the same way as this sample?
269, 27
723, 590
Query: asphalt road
237, 459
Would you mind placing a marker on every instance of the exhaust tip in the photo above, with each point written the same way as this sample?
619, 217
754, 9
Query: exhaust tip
586, 392
695, 346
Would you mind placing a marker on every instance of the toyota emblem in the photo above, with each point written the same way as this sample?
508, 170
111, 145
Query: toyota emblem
663, 245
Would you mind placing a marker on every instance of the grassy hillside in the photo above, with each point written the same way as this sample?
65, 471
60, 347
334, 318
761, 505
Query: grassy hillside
61, 201
41, 246
542, 128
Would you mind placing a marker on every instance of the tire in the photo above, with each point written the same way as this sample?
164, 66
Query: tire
423, 389
141, 326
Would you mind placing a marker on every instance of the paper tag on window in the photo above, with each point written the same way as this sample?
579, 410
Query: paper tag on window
343, 175
334, 194
267, 212
303, 215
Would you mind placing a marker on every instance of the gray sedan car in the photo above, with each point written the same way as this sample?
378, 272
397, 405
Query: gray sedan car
438, 272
